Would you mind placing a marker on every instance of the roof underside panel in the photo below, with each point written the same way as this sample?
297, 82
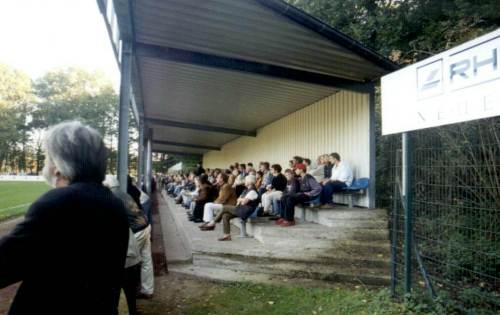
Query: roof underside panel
246, 30
176, 149
214, 97
190, 136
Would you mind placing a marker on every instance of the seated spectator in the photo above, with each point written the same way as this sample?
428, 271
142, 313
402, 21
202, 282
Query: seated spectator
274, 190
141, 228
243, 170
199, 170
249, 167
298, 162
226, 196
259, 176
245, 206
239, 182
204, 196
69, 252
341, 177
267, 177
292, 188
309, 189
187, 188
316, 170
327, 169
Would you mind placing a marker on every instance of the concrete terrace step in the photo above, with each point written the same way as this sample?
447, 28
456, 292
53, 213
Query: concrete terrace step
308, 251
220, 275
344, 218
296, 269
312, 231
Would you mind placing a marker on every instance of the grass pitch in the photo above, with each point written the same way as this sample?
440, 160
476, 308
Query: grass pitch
15, 197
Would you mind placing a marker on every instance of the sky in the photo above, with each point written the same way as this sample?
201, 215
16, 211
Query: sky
39, 35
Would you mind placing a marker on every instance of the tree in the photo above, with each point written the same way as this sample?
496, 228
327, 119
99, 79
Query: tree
76, 94
15, 103
407, 30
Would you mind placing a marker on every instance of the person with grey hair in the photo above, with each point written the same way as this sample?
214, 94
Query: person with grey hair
245, 206
70, 250
142, 231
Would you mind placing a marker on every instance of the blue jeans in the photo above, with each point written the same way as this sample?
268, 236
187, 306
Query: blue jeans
328, 190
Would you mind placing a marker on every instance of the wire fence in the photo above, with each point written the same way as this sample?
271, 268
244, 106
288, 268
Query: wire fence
456, 213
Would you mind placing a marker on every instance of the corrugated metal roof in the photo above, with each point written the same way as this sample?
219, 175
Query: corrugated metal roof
245, 29
292, 59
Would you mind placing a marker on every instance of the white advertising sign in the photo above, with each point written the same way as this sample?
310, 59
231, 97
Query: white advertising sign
27, 178
458, 85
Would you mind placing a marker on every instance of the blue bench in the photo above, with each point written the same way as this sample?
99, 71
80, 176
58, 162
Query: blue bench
358, 185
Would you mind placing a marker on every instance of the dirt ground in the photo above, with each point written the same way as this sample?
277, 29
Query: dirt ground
172, 292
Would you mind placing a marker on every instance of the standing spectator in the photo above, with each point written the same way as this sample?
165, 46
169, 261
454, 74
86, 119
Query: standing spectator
69, 252
133, 191
141, 228
341, 177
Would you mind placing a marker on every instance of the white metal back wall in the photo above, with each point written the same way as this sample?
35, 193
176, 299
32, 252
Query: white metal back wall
338, 123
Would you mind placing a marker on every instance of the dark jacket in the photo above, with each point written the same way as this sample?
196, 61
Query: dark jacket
309, 186
134, 192
279, 182
292, 187
204, 194
69, 253
137, 220
328, 170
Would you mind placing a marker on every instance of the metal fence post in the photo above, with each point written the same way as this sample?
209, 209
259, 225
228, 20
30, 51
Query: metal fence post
123, 118
407, 197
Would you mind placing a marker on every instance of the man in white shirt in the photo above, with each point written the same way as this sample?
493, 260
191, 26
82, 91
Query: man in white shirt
341, 177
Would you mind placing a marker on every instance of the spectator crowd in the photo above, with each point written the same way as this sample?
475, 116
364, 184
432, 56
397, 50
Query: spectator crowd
212, 196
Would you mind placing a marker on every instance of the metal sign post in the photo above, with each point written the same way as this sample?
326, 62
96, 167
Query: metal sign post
407, 199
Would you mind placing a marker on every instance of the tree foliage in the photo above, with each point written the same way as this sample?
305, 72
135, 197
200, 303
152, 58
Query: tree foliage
27, 108
407, 30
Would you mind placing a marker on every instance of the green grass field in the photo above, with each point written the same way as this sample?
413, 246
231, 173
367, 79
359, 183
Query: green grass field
15, 197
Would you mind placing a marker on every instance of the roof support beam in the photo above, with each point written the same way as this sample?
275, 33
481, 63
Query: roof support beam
187, 145
170, 152
179, 124
251, 67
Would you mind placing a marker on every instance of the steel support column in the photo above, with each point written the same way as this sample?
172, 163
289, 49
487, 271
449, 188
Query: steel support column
149, 161
140, 158
123, 118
